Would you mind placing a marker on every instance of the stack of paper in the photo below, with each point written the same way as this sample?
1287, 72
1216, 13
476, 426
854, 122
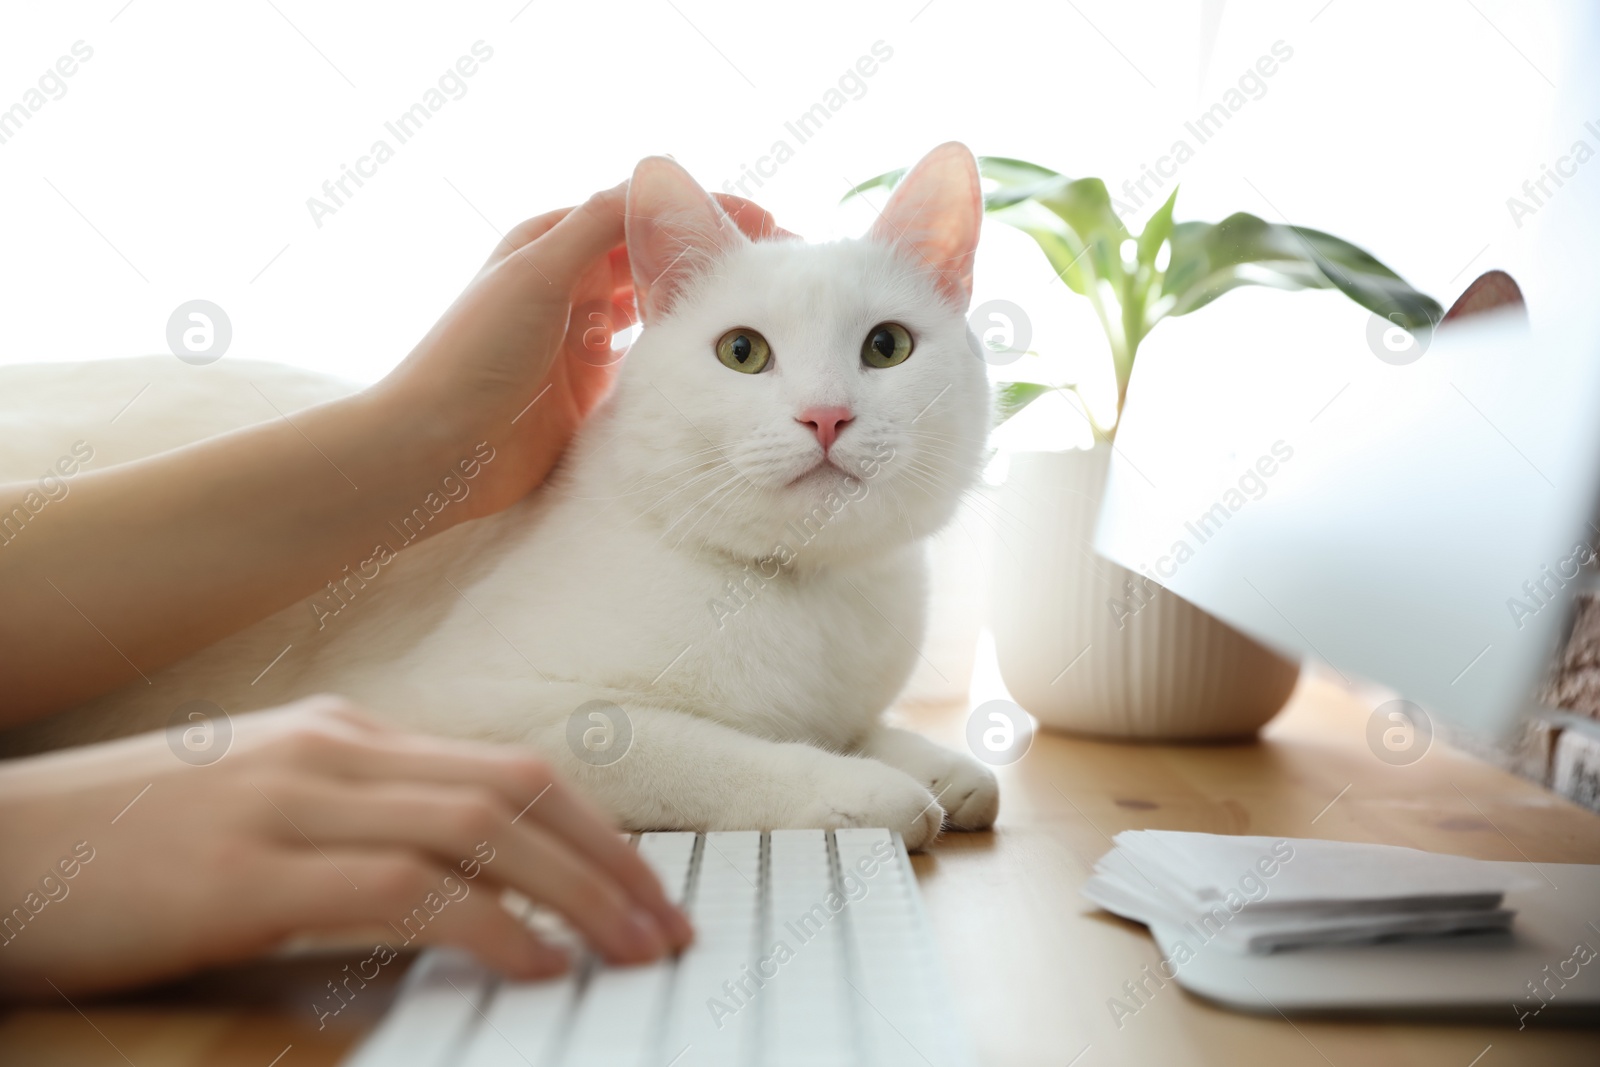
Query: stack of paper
1261, 894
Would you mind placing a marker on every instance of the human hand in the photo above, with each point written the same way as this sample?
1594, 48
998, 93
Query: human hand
524, 354
133, 866
515, 363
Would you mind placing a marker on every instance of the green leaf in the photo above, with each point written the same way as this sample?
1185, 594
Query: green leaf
1086, 207
1014, 396
1157, 230
1015, 181
1088, 247
1361, 277
1009, 195
1013, 171
1208, 259
1067, 255
887, 180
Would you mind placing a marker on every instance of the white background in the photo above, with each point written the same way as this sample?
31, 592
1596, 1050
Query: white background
178, 163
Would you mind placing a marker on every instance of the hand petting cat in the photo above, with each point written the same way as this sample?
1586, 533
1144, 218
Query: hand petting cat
524, 354
514, 364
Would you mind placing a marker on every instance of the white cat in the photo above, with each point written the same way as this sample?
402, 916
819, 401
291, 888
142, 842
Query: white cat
729, 559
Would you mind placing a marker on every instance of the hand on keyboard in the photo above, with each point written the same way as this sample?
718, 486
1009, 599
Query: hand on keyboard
812, 951
131, 865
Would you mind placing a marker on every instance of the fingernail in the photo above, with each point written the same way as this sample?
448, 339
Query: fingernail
644, 933
544, 961
679, 928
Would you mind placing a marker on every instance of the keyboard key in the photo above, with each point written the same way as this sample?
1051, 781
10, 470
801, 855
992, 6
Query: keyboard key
807, 1015
811, 950
433, 1013
617, 1018
522, 1023
711, 1015
669, 855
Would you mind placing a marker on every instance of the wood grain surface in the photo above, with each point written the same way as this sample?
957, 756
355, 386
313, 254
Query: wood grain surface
1031, 965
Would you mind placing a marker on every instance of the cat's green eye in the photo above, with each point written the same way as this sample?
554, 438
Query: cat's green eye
744, 350
887, 345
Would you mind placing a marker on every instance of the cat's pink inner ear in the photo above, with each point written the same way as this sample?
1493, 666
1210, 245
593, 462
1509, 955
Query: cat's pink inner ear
935, 215
675, 233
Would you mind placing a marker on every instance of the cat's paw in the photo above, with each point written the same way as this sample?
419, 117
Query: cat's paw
864, 792
966, 788
968, 792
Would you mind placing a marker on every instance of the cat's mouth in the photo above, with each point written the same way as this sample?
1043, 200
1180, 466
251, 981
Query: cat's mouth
824, 470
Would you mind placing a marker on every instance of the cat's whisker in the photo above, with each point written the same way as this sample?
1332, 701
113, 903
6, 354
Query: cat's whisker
924, 476
947, 448
694, 481
921, 487
696, 478
978, 501
727, 504
947, 440
981, 517
951, 461
646, 481
923, 466
686, 465
900, 507
726, 495
925, 480
732, 498
642, 513
696, 455
690, 510
925, 431
957, 469
688, 457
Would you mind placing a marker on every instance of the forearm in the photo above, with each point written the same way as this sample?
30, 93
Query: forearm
145, 562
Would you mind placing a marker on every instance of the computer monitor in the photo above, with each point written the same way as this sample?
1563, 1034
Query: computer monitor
1414, 517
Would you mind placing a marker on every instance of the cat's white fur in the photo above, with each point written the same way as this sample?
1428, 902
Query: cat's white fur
752, 627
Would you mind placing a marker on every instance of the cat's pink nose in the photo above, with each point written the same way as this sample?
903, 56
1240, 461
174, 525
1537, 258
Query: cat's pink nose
825, 423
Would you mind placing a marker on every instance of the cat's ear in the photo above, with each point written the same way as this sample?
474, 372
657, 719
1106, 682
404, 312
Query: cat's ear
935, 214
675, 232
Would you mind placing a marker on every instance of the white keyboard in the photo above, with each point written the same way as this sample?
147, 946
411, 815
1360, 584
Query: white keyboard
811, 948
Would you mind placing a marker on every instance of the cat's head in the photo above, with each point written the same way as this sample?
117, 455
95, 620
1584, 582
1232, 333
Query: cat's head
825, 398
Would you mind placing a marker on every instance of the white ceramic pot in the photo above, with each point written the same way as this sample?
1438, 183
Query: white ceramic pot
1090, 647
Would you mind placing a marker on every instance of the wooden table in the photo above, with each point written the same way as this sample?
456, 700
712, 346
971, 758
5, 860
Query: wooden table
1031, 964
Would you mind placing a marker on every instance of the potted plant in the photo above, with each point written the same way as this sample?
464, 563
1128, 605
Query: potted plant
1166, 670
